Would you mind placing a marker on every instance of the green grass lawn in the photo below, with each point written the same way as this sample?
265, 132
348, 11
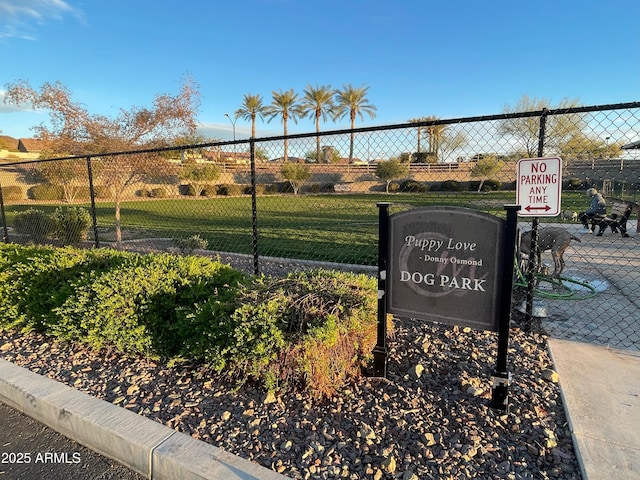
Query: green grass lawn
336, 228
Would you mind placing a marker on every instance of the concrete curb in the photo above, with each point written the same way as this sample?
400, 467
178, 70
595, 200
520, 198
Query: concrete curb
144, 446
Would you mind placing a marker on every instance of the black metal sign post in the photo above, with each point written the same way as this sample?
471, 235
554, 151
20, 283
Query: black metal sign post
501, 377
380, 352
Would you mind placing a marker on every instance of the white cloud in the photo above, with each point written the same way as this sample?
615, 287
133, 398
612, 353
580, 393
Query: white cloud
17, 17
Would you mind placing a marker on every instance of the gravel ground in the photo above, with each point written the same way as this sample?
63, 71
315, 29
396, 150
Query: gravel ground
428, 420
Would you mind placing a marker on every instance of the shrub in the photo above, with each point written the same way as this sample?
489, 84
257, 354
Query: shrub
34, 281
415, 186
231, 189
12, 193
491, 185
574, 184
36, 223
46, 191
146, 304
71, 224
311, 329
144, 193
393, 187
188, 245
451, 186
159, 192
102, 191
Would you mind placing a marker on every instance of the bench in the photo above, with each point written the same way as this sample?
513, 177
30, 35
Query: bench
621, 210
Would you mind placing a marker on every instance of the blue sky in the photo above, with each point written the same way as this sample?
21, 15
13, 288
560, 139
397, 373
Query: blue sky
450, 58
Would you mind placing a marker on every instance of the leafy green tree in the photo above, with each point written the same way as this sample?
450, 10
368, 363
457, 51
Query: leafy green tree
525, 131
284, 105
251, 109
317, 103
485, 168
353, 102
296, 174
581, 147
391, 170
73, 130
198, 176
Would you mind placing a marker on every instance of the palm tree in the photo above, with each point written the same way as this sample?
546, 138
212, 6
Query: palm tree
317, 103
419, 132
251, 109
435, 134
353, 101
285, 105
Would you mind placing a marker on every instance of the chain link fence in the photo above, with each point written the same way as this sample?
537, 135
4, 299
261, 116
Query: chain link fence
313, 197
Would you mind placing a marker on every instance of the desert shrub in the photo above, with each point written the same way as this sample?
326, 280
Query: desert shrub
102, 191
46, 191
271, 188
491, 185
145, 305
311, 329
189, 244
574, 184
414, 186
144, 193
36, 223
34, 281
210, 190
71, 224
12, 193
81, 193
231, 189
394, 187
159, 192
451, 186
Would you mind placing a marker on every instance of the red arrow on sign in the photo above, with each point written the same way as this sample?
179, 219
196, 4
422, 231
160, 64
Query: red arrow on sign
546, 208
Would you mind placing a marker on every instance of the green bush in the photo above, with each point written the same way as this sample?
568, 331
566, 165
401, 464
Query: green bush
311, 329
159, 192
12, 193
103, 191
36, 223
299, 329
451, 186
34, 281
189, 244
71, 224
230, 189
491, 185
414, 186
146, 305
46, 191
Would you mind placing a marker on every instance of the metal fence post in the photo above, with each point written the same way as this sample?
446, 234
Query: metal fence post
254, 206
535, 221
5, 230
92, 194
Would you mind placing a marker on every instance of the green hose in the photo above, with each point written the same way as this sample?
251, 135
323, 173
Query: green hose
556, 281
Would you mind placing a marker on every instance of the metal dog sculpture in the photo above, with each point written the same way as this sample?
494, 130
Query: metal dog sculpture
551, 238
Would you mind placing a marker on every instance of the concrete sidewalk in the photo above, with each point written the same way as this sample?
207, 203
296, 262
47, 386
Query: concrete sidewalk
601, 394
146, 447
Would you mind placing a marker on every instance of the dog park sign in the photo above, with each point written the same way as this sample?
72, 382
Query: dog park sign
449, 265
539, 186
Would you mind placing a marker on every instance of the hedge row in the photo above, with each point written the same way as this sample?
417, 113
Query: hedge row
311, 329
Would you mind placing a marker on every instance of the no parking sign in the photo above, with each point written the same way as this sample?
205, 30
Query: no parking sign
539, 186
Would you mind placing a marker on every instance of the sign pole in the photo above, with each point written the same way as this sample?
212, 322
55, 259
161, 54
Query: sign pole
380, 351
501, 377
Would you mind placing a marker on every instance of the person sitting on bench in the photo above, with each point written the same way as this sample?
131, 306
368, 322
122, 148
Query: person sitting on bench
598, 207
